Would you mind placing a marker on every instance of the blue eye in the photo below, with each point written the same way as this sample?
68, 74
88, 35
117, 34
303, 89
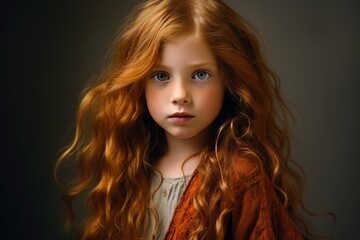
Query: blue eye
161, 77
201, 75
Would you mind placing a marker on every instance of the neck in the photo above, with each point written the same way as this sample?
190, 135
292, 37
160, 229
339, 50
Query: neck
187, 147
180, 151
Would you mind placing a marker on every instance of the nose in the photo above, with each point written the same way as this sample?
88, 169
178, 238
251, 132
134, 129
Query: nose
181, 93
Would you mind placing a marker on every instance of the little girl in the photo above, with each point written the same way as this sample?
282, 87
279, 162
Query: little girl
185, 135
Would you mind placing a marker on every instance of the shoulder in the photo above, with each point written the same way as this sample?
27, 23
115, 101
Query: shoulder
257, 212
246, 171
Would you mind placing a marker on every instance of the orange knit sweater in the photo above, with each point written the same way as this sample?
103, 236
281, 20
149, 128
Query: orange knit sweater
257, 214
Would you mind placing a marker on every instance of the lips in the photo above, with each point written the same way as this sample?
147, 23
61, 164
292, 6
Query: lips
180, 117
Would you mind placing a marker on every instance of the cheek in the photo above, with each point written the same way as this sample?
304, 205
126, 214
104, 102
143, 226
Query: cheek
152, 101
212, 101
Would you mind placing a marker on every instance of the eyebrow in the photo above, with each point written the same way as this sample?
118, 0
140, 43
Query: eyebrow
195, 65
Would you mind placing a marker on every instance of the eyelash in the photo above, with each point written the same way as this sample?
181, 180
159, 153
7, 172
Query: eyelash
201, 71
164, 74
155, 76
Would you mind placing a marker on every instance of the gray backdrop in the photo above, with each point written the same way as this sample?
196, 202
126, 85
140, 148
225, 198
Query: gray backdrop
50, 49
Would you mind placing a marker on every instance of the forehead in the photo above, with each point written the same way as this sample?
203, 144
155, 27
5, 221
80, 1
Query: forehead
190, 48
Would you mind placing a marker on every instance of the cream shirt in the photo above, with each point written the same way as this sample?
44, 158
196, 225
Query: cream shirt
165, 201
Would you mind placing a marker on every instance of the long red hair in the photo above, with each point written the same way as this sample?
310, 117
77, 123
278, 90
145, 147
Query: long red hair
116, 141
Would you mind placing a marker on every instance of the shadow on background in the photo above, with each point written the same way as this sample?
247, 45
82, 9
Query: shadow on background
50, 49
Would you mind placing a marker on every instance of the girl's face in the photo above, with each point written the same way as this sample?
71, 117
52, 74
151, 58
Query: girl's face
184, 92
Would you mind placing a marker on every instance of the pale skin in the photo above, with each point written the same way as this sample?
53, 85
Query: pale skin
184, 95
